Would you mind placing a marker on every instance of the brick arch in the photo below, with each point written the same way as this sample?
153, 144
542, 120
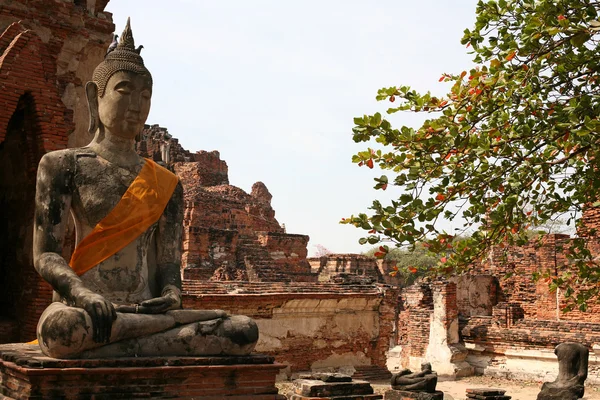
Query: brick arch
26, 67
33, 121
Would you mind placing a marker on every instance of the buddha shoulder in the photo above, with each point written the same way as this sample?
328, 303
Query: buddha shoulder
60, 165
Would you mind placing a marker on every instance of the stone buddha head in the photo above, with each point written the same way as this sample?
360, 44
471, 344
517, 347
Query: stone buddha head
120, 91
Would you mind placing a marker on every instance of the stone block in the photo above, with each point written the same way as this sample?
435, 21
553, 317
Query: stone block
318, 388
25, 373
404, 395
345, 397
487, 394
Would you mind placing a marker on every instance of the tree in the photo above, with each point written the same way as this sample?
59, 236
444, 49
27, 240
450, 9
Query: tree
513, 144
322, 251
409, 265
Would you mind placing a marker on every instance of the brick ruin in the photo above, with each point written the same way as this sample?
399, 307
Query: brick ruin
350, 267
229, 235
507, 323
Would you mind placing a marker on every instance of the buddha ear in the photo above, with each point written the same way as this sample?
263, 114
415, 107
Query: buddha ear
91, 92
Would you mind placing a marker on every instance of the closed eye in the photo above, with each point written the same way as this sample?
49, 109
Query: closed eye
123, 87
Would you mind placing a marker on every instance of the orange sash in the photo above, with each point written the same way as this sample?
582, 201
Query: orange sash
141, 206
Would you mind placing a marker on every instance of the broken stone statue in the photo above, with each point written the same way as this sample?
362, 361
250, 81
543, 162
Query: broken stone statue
120, 294
417, 385
572, 373
424, 381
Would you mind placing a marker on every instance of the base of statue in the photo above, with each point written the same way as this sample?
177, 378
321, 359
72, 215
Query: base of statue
25, 373
573, 392
405, 395
314, 389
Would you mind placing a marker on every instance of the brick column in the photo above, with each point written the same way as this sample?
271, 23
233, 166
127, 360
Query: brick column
444, 352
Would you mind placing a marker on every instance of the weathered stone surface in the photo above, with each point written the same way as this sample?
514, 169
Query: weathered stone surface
423, 381
327, 377
574, 392
487, 394
403, 395
319, 388
308, 326
445, 351
347, 268
229, 235
27, 374
572, 373
343, 397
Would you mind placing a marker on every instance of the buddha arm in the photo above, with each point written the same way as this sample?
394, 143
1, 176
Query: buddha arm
168, 245
52, 205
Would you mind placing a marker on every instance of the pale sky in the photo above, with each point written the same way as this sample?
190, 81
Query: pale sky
274, 87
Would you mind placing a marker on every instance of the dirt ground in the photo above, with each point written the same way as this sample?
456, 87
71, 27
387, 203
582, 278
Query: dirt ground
455, 390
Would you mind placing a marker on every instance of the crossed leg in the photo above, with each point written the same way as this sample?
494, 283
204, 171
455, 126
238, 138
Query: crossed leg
65, 332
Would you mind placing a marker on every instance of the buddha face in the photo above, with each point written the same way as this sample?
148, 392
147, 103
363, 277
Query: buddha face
124, 108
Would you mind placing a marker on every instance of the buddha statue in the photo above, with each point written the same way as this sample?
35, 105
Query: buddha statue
120, 293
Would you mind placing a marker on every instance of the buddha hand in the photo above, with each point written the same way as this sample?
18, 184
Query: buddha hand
100, 310
169, 300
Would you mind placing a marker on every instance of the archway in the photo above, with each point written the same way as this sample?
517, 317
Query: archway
19, 155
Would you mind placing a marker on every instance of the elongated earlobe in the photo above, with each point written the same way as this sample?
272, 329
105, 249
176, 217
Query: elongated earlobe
91, 91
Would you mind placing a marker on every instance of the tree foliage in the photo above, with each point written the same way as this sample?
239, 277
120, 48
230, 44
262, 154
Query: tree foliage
513, 144
409, 264
322, 251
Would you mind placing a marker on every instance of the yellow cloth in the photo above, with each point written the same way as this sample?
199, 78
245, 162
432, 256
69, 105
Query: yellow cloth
141, 206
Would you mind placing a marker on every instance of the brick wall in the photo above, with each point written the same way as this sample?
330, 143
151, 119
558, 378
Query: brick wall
413, 322
307, 325
228, 233
332, 265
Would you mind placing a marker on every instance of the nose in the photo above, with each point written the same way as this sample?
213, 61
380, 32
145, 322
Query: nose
135, 104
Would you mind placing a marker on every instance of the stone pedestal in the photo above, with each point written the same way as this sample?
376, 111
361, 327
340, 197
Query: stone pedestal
313, 389
25, 373
404, 395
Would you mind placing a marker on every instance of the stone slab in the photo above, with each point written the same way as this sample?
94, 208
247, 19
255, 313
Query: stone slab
404, 395
327, 377
486, 392
319, 389
346, 397
25, 373
491, 397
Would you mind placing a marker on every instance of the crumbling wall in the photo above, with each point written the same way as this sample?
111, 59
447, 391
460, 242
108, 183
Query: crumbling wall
332, 265
517, 338
413, 324
309, 326
156, 143
216, 213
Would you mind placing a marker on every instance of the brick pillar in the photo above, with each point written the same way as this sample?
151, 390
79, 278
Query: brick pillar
444, 352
